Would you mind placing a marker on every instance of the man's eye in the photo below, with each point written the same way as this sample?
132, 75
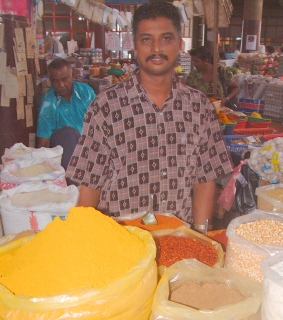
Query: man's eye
146, 40
167, 39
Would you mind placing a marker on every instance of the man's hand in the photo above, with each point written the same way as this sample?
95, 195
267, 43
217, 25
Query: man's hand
43, 142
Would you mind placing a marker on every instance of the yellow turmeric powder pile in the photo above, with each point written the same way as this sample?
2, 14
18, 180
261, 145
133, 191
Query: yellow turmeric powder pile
88, 249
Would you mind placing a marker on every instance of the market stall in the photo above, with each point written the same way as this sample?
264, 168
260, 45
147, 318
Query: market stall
162, 270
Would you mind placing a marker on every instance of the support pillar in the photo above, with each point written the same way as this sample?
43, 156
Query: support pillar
251, 25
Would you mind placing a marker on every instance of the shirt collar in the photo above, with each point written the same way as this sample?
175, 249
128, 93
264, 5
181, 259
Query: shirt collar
74, 91
136, 89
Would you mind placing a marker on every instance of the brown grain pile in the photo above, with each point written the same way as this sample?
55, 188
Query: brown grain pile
205, 296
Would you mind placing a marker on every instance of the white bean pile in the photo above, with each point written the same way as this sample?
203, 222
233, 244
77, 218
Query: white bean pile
265, 231
246, 259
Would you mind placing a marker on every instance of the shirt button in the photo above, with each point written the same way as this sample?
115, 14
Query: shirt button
164, 174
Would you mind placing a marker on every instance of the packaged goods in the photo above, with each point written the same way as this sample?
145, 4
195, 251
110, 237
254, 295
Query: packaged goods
20, 152
272, 296
17, 172
252, 238
267, 161
33, 206
198, 276
270, 197
87, 266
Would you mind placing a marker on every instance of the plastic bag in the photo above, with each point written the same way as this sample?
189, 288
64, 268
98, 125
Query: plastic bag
272, 306
227, 196
19, 218
9, 180
245, 200
127, 298
195, 271
244, 256
20, 152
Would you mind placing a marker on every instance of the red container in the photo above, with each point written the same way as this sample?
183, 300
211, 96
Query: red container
272, 136
258, 124
252, 131
241, 123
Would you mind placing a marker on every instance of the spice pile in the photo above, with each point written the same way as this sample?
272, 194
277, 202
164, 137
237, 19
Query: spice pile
171, 249
163, 222
206, 296
88, 249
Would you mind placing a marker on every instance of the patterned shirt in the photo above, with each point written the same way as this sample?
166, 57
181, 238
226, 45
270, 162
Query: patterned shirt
225, 77
130, 149
55, 112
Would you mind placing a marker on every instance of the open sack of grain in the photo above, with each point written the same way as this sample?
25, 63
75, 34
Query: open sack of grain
192, 290
33, 206
17, 172
272, 306
270, 197
85, 267
184, 243
21, 152
252, 238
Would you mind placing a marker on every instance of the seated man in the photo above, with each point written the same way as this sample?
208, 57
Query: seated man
62, 109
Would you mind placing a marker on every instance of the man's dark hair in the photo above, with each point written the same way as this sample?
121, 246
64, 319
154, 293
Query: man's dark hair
155, 10
58, 64
202, 53
270, 49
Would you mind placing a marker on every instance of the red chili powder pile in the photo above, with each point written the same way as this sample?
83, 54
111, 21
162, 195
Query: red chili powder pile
171, 249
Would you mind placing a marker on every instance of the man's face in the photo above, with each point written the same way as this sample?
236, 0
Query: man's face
198, 63
62, 81
157, 46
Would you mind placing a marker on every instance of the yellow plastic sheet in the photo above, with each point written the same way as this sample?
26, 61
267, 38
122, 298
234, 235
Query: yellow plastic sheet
128, 298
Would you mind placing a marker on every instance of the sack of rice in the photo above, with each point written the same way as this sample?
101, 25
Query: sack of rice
17, 172
20, 152
33, 206
252, 238
270, 197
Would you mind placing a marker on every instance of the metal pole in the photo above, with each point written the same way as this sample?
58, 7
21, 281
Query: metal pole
215, 46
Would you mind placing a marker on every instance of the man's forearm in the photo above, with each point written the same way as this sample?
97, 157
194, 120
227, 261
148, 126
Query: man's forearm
203, 202
88, 197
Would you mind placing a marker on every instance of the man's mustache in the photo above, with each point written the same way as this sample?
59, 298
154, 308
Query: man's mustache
154, 56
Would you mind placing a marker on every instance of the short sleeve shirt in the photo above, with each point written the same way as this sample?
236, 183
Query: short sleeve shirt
130, 149
55, 112
225, 77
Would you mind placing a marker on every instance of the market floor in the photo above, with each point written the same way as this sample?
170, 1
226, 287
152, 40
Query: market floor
222, 222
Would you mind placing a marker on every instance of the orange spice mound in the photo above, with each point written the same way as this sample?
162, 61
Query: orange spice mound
171, 249
163, 222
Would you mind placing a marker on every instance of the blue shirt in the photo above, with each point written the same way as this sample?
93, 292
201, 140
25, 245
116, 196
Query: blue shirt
55, 112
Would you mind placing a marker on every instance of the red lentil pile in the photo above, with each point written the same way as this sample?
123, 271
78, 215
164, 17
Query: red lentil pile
171, 249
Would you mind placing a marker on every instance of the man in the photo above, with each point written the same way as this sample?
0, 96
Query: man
62, 109
151, 135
